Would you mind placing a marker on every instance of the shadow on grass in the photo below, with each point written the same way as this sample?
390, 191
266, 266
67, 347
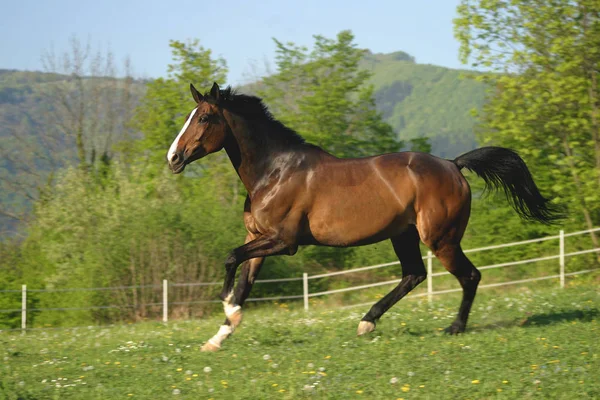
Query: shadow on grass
542, 319
525, 322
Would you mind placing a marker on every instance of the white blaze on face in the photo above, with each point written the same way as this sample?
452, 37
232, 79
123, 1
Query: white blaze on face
173, 147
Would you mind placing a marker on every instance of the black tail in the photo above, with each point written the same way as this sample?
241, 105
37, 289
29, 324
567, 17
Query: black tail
503, 168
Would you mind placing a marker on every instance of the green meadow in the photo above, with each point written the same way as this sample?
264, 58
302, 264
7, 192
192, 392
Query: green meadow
524, 342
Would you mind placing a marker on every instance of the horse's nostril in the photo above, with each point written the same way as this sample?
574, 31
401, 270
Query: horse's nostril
174, 158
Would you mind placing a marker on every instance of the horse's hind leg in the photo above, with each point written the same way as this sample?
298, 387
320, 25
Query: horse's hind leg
407, 249
457, 263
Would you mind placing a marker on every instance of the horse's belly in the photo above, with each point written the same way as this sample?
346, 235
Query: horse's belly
356, 221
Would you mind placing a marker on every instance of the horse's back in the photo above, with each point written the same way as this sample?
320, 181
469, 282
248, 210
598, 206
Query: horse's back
364, 200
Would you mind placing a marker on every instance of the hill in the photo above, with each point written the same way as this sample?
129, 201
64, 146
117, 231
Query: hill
426, 100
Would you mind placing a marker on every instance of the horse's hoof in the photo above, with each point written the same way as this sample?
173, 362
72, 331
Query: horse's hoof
208, 346
455, 329
365, 327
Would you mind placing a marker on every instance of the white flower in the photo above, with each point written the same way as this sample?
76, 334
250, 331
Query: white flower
207, 369
176, 391
310, 365
394, 380
274, 365
410, 373
188, 372
266, 357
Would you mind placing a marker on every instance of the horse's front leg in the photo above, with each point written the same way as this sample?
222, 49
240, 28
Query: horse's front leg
252, 255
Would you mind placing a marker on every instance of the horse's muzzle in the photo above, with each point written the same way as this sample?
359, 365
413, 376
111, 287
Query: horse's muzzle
176, 163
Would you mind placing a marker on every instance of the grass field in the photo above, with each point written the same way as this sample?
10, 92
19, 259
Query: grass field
522, 343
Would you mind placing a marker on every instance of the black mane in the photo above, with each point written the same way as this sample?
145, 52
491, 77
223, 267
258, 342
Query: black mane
253, 109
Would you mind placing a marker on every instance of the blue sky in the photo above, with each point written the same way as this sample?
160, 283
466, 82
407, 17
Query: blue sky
239, 31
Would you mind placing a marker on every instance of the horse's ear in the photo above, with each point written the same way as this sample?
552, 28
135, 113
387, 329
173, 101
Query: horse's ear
215, 92
196, 94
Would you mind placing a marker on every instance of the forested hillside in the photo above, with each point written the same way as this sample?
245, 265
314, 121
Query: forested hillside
421, 100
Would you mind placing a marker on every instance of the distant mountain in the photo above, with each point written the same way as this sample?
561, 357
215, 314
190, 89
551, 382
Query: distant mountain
426, 100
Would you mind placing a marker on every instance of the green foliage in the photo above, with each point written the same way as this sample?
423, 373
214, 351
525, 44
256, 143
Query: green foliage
324, 96
127, 230
543, 60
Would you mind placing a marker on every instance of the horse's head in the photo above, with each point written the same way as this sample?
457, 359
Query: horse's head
204, 131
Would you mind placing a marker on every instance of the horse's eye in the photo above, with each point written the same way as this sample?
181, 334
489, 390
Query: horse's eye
204, 119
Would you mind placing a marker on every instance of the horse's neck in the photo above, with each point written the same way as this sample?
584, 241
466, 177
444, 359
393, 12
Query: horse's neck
249, 154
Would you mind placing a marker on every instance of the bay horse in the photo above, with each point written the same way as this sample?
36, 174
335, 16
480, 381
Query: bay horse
298, 194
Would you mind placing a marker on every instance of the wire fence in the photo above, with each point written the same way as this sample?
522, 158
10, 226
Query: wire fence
305, 278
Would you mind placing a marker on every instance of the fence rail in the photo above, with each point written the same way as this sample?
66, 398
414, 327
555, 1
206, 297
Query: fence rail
305, 278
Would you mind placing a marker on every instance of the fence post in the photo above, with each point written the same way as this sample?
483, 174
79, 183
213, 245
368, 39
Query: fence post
562, 258
165, 301
429, 277
23, 308
305, 290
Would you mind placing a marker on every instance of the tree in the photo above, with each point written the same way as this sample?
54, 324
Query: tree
162, 110
543, 59
324, 95
73, 115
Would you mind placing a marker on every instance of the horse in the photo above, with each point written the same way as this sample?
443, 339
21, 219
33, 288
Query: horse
298, 194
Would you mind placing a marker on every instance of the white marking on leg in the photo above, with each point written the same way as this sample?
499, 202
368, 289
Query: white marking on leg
228, 298
222, 334
232, 310
173, 147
